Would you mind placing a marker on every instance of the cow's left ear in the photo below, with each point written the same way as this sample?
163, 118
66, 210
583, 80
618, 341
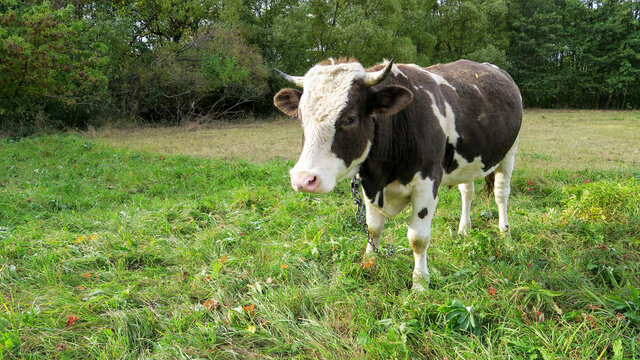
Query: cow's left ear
389, 100
287, 101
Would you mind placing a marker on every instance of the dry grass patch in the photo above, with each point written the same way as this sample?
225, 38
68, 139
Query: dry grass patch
550, 139
580, 140
252, 140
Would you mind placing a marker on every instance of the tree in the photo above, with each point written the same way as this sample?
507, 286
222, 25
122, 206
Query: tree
50, 67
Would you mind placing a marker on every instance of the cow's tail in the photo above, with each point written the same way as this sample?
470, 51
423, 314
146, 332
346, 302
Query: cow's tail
489, 182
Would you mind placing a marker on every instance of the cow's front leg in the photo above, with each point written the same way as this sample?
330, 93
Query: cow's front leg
419, 234
375, 224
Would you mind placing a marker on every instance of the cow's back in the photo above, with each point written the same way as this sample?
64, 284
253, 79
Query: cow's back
487, 109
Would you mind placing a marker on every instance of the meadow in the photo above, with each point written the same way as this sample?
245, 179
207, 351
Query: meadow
185, 243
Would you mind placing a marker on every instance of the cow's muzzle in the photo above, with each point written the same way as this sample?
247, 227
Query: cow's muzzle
305, 181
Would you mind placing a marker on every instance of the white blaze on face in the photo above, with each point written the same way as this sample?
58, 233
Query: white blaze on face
326, 92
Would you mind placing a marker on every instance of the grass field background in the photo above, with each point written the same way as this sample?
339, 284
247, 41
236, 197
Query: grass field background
123, 244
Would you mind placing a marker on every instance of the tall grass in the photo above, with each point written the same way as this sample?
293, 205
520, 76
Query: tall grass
116, 254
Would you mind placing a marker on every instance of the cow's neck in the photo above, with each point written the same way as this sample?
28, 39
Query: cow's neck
381, 165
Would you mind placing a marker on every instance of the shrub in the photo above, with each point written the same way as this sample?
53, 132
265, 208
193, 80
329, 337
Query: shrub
204, 77
51, 71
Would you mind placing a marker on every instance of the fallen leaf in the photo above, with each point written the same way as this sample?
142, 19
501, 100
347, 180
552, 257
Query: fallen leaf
71, 320
269, 280
224, 259
491, 291
249, 309
284, 266
211, 304
87, 274
80, 287
369, 263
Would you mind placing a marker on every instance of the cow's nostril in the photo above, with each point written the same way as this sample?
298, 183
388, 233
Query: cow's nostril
312, 180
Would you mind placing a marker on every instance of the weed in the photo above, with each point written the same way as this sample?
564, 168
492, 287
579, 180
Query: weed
459, 317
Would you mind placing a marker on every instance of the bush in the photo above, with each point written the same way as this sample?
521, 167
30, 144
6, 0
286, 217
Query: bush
52, 73
204, 77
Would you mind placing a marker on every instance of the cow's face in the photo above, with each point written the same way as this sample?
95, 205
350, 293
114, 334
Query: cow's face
337, 111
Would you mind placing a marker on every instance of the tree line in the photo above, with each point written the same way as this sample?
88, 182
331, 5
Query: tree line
73, 63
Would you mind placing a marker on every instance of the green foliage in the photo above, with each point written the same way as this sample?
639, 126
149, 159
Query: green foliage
77, 63
572, 53
222, 71
629, 307
459, 317
52, 68
533, 291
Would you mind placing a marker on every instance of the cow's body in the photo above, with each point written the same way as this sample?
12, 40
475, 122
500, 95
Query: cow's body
416, 130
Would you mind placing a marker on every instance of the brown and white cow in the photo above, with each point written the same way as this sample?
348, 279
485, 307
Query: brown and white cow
406, 131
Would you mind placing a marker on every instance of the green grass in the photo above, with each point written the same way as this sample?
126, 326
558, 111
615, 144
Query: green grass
163, 256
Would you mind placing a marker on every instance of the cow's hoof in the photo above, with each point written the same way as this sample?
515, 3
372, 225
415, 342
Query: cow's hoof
368, 256
420, 283
418, 287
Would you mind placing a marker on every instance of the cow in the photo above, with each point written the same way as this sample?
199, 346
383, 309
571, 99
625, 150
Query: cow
406, 131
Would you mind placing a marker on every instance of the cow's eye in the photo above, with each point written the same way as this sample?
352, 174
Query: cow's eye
349, 121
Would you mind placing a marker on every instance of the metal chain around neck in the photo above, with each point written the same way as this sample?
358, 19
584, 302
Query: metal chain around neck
361, 217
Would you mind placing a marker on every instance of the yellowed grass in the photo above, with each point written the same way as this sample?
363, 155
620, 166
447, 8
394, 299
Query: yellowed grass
580, 139
550, 139
255, 141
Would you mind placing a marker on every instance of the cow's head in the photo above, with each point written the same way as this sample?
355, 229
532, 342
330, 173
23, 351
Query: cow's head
337, 111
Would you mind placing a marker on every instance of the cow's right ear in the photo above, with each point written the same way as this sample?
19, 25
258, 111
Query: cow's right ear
287, 101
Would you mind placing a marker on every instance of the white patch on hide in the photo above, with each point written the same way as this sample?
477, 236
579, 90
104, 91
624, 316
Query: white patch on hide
437, 78
395, 70
493, 66
446, 120
397, 196
466, 171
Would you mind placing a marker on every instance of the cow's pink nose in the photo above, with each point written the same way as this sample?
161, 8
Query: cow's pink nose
305, 182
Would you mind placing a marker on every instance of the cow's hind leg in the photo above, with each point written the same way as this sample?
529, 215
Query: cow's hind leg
502, 187
375, 224
424, 206
466, 193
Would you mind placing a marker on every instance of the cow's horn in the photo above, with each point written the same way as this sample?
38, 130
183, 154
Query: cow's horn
374, 78
295, 80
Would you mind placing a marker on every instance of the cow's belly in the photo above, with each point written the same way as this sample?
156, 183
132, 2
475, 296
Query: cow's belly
466, 171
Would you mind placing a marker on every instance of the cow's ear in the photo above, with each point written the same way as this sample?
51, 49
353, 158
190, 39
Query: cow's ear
287, 101
389, 100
